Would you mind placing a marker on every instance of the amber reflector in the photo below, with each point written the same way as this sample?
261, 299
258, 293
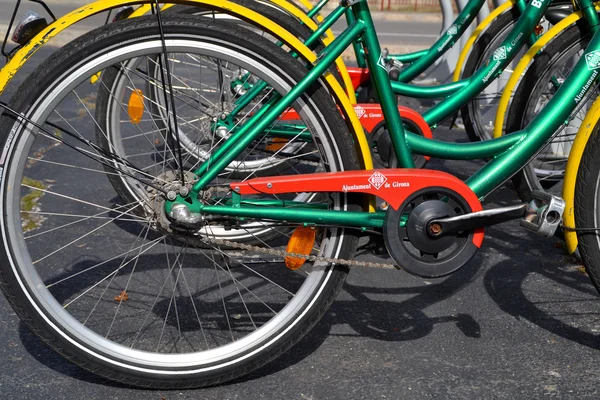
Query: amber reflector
276, 144
302, 241
135, 107
538, 30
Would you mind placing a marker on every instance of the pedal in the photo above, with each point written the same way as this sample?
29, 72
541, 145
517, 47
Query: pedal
29, 26
544, 213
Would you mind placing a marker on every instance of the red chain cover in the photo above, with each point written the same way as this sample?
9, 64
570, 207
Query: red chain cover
370, 116
391, 185
358, 76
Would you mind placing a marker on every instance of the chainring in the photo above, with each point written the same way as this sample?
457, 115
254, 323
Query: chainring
409, 244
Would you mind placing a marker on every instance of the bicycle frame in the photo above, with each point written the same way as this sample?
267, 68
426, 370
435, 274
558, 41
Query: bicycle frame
510, 152
523, 143
461, 91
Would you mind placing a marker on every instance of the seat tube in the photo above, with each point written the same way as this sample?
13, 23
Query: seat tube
383, 87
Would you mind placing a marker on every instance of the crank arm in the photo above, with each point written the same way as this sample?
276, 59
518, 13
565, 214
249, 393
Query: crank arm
468, 222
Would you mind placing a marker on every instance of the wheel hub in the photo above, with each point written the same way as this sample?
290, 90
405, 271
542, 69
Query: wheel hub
418, 226
171, 184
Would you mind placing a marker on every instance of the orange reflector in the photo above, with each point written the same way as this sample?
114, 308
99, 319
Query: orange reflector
538, 30
302, 241
276, 144
135, 107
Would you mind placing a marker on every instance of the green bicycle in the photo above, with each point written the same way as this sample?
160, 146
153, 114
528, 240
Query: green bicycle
197, 275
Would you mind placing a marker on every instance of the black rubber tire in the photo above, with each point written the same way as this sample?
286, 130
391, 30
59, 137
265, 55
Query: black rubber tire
587, 193
20, 294
522, 109
497, 29
275, 14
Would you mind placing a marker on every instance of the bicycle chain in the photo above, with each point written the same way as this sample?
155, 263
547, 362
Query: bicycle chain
313, 258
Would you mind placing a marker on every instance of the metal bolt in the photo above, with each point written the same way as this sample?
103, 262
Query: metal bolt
184, 191
171, 195
269, 185
223, 116
435, 229
214, 119
236, 189
222, 131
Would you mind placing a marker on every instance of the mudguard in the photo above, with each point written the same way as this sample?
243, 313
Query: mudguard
583, 135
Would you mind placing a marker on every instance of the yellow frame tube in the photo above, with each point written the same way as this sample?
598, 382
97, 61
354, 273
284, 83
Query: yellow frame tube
480, 28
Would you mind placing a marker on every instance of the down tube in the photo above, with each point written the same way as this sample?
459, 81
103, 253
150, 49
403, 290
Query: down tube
452, 34
556, 112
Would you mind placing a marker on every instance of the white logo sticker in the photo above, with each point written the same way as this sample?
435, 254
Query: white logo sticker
453, 30
381, 62
500, 53
359, 111
593, 59
377, 179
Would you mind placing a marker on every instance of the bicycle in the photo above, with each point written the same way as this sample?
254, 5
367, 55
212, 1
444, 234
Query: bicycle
525, 181
432, 226
418, 124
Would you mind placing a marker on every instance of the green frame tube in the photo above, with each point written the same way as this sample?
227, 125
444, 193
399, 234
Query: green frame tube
444, 42
317, 8
408, 58
499, 60
428, 92
260, 121
509, 152
358, 50
302, 215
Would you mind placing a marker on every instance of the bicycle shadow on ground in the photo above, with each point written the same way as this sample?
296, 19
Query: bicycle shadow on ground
569, 309
387, 320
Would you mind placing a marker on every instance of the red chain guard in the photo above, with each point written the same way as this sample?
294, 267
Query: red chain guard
358, 76
370, 116
392, 185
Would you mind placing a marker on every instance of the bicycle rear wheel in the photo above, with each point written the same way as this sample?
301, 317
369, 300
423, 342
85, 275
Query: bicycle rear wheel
96, 274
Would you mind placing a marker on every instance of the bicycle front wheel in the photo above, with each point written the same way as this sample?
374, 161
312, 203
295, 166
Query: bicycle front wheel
87, 262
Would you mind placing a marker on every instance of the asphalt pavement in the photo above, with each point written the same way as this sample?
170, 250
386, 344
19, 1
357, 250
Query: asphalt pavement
521, 320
